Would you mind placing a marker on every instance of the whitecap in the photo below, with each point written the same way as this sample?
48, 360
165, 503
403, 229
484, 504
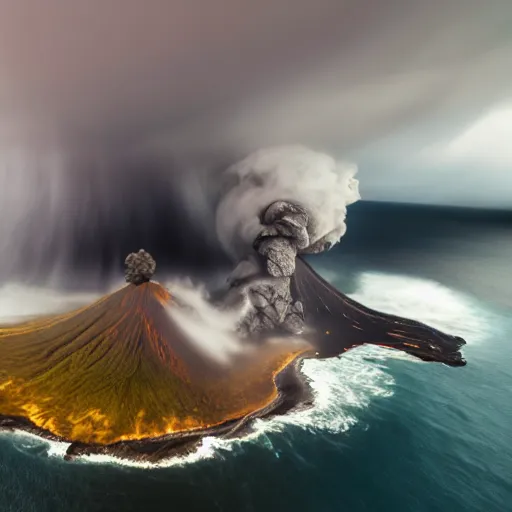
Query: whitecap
424, 300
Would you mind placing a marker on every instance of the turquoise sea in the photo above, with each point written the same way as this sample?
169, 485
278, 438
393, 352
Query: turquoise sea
387, 433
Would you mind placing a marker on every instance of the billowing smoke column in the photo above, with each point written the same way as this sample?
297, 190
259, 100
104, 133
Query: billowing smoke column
284, 202
296, 174
279, 203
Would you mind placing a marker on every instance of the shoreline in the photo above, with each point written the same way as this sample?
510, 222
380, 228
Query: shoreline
293, 391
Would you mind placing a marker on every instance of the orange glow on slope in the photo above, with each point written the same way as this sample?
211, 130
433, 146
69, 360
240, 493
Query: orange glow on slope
121, 370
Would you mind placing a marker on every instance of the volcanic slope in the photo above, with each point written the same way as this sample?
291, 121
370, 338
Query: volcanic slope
339, 323
120, 370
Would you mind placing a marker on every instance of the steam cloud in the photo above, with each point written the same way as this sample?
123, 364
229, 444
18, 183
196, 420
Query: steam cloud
212, 331
292, 173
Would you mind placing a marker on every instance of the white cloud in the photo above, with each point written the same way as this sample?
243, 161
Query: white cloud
436, 163
486, 142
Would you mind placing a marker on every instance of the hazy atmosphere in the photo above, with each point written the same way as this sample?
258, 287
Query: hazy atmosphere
418, 94
255, 255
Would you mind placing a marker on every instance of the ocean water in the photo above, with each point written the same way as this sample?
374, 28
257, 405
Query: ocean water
387, 433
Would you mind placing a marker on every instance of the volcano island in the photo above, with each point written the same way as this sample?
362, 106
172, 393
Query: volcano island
120, 377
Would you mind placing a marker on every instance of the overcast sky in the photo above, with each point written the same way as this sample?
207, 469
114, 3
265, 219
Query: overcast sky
418, 93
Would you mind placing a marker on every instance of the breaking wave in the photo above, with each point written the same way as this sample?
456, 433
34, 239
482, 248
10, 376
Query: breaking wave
343, 387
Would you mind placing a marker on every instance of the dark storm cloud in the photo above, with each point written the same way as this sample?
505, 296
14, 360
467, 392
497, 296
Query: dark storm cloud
121, 66
113, 76
338, 72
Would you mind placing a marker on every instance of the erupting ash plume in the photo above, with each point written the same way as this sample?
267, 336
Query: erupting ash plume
290, 173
